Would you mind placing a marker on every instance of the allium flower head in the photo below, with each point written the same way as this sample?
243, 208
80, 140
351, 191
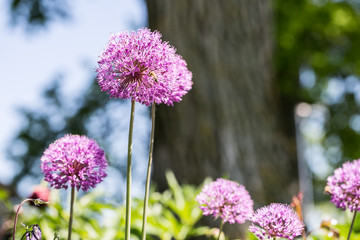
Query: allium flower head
74, 160
276, 220
140, 66
344, 186
226, 199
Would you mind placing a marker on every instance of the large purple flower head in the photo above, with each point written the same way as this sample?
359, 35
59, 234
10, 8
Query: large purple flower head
344, 186
276, 220
140, 66
226, 199
74, 160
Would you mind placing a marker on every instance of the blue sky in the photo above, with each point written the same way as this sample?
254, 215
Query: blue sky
29, 62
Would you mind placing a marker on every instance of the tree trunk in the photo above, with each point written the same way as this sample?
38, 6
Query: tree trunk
228, 124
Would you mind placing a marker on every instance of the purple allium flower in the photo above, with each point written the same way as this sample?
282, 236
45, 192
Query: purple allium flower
140, 66
74, 160
344, 186
226, 199
276, 220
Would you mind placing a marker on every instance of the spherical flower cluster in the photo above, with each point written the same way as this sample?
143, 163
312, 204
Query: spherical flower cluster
226, 199
276, 220
344, 186
74, 160
140, 66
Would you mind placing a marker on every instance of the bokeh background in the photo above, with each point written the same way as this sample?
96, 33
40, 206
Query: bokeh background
275, 102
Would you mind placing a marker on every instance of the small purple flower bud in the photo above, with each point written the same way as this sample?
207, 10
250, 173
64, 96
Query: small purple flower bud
35, 234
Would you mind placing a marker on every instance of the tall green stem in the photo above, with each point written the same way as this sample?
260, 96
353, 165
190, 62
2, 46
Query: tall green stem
220, 230
351, 226
37, 202
71, 211
17, 214
147, 188
128, 174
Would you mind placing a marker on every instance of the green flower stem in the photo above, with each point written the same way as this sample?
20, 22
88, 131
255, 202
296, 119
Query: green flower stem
17, 213
351, 226
71, 211
37, 202
147, 189
220, 229
128, 174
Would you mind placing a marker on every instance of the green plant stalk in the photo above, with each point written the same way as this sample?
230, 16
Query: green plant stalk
72, 199
128, 174
36, 202
351, 226
147, 185
220, 229
17, 213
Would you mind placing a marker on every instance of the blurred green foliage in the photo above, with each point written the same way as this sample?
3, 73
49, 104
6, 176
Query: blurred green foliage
34, 14
337, 227
173, 214
317, 61
321, 37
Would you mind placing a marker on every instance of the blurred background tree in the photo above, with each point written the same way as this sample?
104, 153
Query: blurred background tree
252, 61
230, 123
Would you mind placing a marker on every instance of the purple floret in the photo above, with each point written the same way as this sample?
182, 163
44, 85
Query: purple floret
344, 186
276, 220
35, 234
75, 161
140, 66
226, 199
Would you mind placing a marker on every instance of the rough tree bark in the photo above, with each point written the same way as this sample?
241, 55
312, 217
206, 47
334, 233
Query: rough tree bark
228, 124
